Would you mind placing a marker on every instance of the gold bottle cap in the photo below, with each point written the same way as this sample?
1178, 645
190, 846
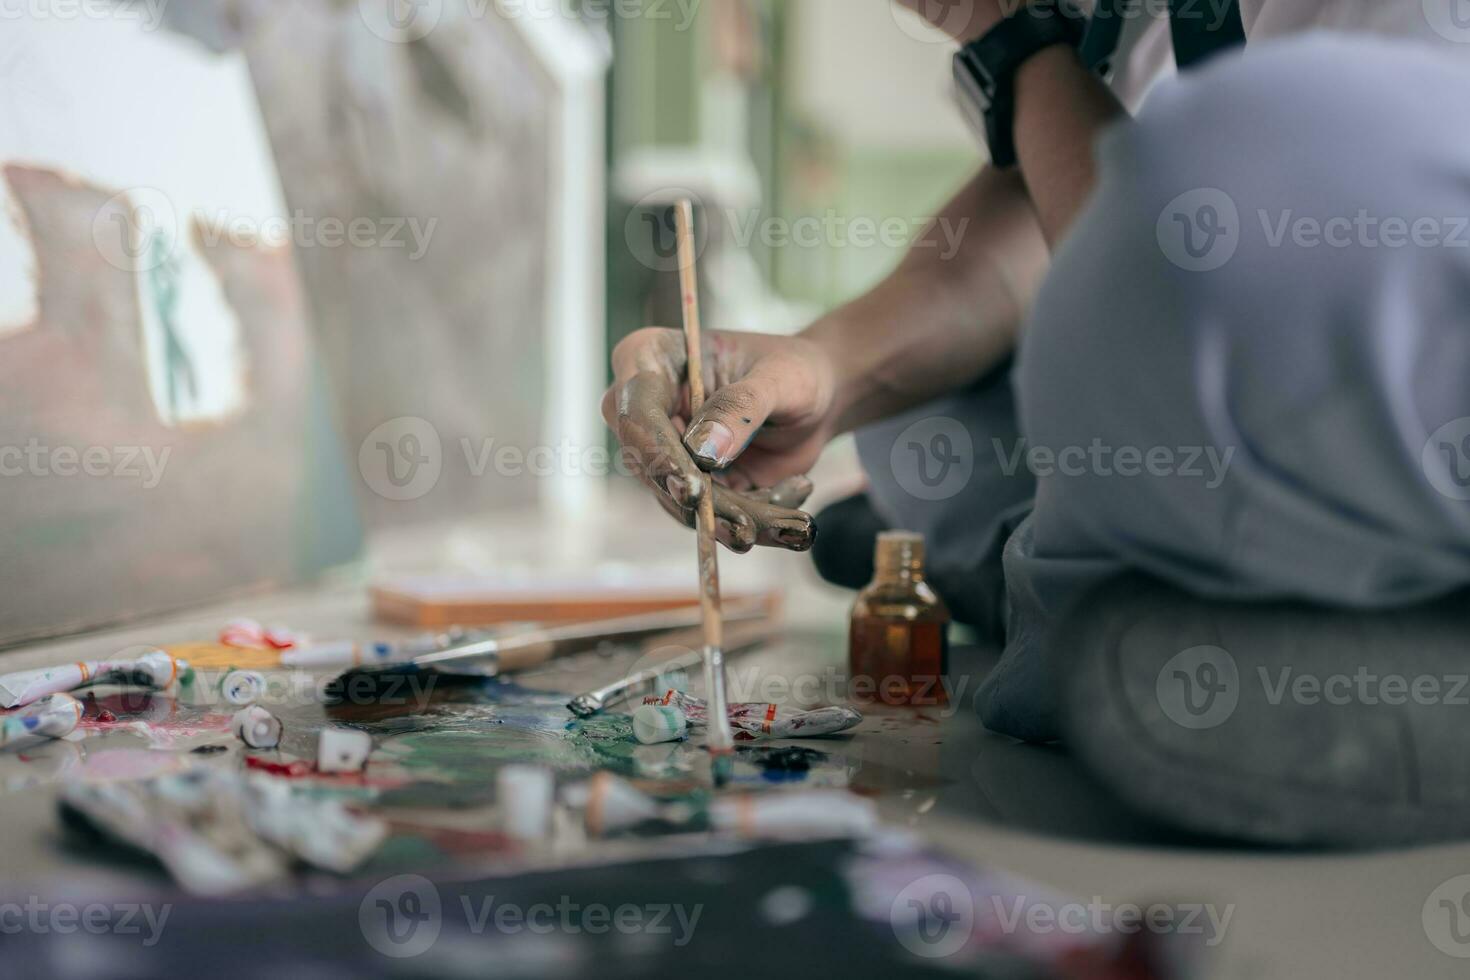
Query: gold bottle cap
899, 551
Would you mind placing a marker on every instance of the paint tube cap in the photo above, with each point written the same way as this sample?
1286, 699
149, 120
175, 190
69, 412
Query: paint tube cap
256, 727
525, 795
342, 749
242, 687
654, 723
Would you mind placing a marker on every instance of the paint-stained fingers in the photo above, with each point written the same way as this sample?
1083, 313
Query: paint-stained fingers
773, 526
790, 493
793, 530
738, 529
734, 527
732, 416
641, 418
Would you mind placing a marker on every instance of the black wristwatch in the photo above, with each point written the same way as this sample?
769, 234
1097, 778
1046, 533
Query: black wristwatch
985, 69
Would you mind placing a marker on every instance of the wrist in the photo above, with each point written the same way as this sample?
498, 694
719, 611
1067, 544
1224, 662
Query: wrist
988, 14
839, 367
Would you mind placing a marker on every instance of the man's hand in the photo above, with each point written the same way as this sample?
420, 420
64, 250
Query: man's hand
963, 20
768, 415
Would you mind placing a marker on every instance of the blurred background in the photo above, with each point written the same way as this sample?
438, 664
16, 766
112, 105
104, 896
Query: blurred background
352, 268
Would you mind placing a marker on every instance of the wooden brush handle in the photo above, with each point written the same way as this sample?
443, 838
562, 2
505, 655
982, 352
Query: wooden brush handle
709, 566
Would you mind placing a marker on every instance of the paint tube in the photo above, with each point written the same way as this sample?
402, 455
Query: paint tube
247, 634
525, 795
342, 750
219, 831
320, 832
53, 716
201, 839
346, 653
242, 687
256, 727
805, 813
754, 720
154, 669
655, 723
610, 804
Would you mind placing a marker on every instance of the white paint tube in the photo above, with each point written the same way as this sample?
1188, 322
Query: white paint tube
188, 821
655, 723
155, 669
53, 716
525, 795
321, 832
804, 813
610, 804
755, 720
219, 831
349, 653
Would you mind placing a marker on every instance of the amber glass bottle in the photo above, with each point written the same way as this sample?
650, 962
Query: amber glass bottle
898, 640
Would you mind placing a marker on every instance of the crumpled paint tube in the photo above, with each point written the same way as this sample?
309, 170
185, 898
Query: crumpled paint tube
320, 832
753, 720
53, 716
219, 831
155, 669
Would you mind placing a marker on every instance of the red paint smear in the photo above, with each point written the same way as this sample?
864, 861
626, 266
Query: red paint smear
294, 769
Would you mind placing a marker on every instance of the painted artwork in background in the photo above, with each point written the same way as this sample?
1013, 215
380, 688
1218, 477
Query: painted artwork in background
164, 432
449, 324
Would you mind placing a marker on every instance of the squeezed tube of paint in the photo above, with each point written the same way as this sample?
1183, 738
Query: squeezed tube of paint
247, 634
525, 795
154, 669
655, 723
758, 720
242, 687
348, 653
610, 804
795, 814
53, 716
320, 832
256, 727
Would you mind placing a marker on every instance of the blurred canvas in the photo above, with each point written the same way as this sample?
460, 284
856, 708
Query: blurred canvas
164, 435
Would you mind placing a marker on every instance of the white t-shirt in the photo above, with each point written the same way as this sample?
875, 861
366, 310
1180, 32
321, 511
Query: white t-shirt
1444, 24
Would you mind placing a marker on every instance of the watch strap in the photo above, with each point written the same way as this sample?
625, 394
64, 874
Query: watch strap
994, 59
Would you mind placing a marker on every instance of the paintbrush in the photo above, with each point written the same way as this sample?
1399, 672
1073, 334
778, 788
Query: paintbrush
739, 639
532, 648
720, 738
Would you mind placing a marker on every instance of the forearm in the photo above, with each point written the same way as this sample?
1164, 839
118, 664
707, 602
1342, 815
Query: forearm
1061, 108
949, 313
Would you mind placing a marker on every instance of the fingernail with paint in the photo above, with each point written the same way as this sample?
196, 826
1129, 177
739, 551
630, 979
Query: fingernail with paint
797, 538
712, 443
684, 491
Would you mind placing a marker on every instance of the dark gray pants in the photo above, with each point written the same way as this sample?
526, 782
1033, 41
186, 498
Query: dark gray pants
1247, 374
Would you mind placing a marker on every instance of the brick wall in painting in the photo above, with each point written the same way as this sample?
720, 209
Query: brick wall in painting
164, 437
